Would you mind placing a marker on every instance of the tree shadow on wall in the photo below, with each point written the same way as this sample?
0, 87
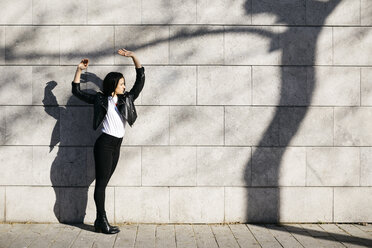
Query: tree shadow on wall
298, 46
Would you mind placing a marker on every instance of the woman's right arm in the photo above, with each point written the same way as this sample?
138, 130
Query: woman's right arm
84, 96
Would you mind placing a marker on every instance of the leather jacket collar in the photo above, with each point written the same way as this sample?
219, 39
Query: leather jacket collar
125, 106
104, 101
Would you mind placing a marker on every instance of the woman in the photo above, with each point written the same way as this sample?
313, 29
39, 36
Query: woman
113, 107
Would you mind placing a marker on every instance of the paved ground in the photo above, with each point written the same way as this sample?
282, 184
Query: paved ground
150, 235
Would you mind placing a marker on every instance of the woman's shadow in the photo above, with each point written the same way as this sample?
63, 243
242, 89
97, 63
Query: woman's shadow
72, 170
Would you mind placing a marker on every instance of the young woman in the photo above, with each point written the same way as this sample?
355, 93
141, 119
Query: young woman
113, 107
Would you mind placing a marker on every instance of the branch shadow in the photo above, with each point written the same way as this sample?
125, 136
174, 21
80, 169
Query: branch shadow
322, 235
263, 204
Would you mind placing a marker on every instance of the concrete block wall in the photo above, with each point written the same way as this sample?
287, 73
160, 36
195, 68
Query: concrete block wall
252, 110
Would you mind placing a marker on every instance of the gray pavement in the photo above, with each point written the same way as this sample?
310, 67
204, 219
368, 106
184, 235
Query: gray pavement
18, 235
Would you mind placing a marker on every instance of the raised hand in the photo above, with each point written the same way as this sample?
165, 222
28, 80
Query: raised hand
83, 64
125, 53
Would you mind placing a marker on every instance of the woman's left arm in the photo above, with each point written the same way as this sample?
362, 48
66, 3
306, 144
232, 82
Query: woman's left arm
136, 62
140, 73
140, 82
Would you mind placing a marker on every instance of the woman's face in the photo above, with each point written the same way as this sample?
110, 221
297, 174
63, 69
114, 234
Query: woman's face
120, 88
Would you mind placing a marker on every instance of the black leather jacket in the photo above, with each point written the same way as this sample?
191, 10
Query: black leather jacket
125, 102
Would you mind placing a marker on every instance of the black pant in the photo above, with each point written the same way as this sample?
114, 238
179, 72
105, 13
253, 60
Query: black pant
106, 156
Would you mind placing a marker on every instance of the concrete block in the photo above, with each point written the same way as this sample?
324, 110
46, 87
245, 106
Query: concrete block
279, 85
41, 120
365, 166
252, 204
16, 165
62, 166
169, 166
2, 45
248, 126
352, 126
352, 204
114, 12
169, 12
46, 165
91, 210
352, 45
2, 203
196, 45
150, 43
346, 12
366, 87
196, 204
306, 126
224, 85
69, 167
128, 169
170, 85
279, 166
306, 204
16, 12
147, 132
142, 204
74, 45
196, 125
235, 200
335, 86
252, 46
77, 127
72, 203
239, 12
59, 12
2, 125
306, 46
15, 80
51, 86
96, 74
366, 10
32, 45
36, 204
333, 166
223, 166
287, 12
286, 204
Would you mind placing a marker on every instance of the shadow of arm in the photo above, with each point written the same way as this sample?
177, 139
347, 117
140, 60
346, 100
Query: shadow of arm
50, 99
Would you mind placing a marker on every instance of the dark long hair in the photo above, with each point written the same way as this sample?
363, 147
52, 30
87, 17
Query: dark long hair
111, 82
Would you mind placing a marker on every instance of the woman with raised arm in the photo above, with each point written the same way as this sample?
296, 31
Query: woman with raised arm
113, 107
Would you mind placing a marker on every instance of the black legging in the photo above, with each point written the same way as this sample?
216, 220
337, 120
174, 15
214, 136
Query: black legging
106, 156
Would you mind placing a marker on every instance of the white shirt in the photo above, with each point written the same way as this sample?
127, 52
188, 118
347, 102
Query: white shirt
114, 124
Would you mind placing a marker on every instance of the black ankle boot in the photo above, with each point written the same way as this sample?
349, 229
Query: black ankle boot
105, 217
113, 227
102, 225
